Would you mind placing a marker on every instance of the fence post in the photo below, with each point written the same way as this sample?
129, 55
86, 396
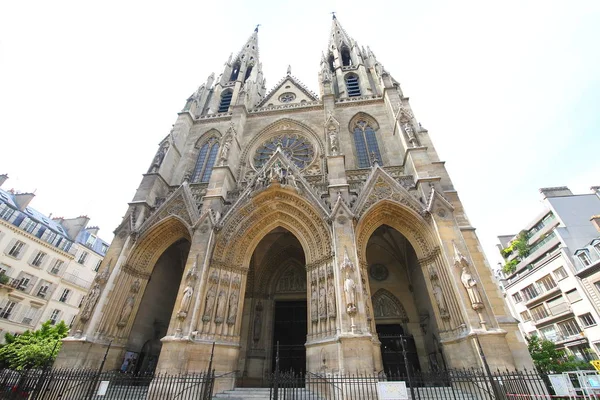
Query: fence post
276, 375
487, 369
97, 377
406, 366
208, 386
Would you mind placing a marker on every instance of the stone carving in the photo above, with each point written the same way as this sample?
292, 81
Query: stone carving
349, 285
158, 158
322, 301
410, 133
221, 302
225, 150
314, 303
186, 300
126, 311
210, 302
257, 325
386, 305
379, 272
292, 280
471, 285
440, 300
334, 143
331, 311
90, 303
233, 307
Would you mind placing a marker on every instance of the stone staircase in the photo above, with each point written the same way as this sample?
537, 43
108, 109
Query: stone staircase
263, 394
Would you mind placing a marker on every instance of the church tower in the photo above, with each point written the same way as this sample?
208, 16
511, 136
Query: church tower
327, 224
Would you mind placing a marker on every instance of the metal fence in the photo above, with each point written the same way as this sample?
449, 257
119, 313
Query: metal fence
69, 384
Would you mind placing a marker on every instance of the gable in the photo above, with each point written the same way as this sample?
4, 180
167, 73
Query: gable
290, 89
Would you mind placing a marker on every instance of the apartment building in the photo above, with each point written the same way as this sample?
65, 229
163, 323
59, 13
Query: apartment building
541, 279
47, 265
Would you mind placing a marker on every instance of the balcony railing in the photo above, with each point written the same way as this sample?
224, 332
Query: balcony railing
553, 312
75, 280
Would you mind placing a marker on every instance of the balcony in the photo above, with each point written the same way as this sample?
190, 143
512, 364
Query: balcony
541, 294
539, 249
77, 281
554, 313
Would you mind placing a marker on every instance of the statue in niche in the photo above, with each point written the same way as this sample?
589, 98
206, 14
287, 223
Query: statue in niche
440, 300
331, 311
257, 325
225, 150
90, 303
158, 158
221, 300
350, 291
322, 301
210, 302
313, 303
233, 307
334, 143
126, 311
471, 285
186, 299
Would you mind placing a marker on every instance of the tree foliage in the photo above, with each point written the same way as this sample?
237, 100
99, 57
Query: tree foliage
547, 359
33, 349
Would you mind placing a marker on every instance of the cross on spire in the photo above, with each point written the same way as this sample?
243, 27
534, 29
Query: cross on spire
333, 13
256, 29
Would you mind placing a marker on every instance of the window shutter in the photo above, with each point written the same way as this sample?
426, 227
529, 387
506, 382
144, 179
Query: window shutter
10, 245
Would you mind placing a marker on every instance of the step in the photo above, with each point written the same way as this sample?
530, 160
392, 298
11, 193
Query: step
262, 393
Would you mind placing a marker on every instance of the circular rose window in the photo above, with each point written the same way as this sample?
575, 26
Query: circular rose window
297, 148
287, 97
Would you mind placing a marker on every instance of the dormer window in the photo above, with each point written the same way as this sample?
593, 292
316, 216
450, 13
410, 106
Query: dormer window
584, 258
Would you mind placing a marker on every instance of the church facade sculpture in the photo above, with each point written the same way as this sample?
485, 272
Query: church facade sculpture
325, 214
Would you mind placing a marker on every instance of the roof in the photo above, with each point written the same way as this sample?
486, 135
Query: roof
96, 246
9, 198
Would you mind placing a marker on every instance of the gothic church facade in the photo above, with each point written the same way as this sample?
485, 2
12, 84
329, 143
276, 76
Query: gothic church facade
325, 226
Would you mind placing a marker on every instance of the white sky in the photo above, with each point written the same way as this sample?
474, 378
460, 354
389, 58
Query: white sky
509, 91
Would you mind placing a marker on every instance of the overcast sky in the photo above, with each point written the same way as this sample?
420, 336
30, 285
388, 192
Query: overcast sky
509, 91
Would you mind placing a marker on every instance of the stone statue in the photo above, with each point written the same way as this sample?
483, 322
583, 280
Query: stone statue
291, 180
233, 307
440, 300
126, 311
221, 300
334, 143
158, 158
350, 291
90, 303
277, 173
257, 326
210, 302
186, 299
331, 311
225, 150
471, 285
313, 304
322, 301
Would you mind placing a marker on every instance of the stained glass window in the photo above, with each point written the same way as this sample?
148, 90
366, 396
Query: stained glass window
297, 148
367, 149
206, 161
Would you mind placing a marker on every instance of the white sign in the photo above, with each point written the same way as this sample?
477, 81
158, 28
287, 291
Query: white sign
561, 384
102, 388
392, 390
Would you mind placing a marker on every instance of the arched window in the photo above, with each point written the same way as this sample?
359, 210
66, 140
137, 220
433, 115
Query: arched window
367, 149
248, 72
331, 66
235, 72
206, 161
352, 85
346, 59
225, 101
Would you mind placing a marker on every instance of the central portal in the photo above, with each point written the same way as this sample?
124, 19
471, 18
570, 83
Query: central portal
289, 333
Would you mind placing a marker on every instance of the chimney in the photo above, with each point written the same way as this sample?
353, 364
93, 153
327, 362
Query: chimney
3, 179
594, 189
555, 192
74, 226
23, 199
596, 221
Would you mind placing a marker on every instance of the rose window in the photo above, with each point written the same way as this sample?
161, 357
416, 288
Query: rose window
296, 148
287, 97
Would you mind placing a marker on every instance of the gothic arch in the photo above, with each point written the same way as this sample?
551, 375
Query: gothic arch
154, 241
401, 218
207, 136
282, 126
273, 208
295, 268
269, 275
387, 306
365, 117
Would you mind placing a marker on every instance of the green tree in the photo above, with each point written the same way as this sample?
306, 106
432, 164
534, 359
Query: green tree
33, 349
547, 359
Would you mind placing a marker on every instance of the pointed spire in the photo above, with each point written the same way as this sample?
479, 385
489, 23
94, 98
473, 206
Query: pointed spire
338, 36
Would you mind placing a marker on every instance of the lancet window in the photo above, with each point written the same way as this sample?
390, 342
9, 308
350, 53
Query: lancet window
365, 140
346, 59
225, 101
235, 72
206, 160
352, 85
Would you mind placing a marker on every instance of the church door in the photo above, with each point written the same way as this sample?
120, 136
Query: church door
290, 332
390, 336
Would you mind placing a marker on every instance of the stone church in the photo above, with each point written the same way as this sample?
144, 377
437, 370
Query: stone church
323, 225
